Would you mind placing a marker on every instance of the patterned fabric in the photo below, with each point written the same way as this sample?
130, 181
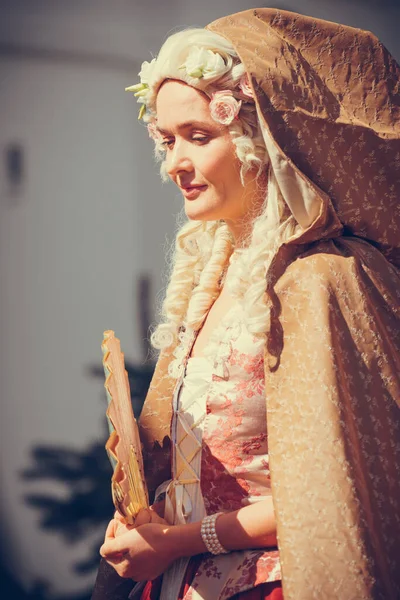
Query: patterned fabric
235, 467
264, 591
220, 446
327, 98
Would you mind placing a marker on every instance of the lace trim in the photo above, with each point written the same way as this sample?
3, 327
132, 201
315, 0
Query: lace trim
177, 365
217, 350
219, 347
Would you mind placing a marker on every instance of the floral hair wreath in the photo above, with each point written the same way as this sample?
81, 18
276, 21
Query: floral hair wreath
200, 64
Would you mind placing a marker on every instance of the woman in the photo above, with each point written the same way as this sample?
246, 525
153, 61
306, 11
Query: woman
284, 287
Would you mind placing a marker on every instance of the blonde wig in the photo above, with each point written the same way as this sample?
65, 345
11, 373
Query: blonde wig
203, 249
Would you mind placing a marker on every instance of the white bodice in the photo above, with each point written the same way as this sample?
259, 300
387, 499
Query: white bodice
184, 499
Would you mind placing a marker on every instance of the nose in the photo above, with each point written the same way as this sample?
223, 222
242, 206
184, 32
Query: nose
178, 162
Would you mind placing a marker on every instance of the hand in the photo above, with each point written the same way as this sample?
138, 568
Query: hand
117, 525
151, 515
141, 553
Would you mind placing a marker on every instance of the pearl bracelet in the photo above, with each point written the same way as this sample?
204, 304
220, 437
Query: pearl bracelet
209, 535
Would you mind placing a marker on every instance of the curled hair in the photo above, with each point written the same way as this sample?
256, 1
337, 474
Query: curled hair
203, 249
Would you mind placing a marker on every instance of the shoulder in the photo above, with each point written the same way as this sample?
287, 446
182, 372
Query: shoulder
341, 264
338, 286
323, 266
337, 268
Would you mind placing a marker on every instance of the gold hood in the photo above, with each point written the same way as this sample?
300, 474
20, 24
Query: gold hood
328, 96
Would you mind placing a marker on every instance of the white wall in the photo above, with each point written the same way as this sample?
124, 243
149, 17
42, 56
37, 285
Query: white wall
90, 217
69, 247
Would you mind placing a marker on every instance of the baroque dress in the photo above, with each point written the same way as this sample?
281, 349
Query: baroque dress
220, 454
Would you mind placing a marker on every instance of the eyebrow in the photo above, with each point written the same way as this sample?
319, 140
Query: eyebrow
187, 125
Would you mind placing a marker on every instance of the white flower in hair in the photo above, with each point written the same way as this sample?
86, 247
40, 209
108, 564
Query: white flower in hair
141, 90
203, 64
224, 107
146, 71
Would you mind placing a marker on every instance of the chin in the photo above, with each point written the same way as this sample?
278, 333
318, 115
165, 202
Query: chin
202, 211
200, 215
197, 212
206, 207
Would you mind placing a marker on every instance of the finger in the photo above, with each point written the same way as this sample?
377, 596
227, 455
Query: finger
110, 531
113, 547
156, 519
159, 508
119, 517
122, 567
157, 512
144, 516
117, 561
121, 528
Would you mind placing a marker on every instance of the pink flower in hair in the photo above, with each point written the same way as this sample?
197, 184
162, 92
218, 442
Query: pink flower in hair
224, 108
244, 85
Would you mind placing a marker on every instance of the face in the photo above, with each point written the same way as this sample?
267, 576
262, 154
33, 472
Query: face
200, 157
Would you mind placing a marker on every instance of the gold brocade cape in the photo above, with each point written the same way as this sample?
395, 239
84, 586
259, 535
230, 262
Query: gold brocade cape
327, 96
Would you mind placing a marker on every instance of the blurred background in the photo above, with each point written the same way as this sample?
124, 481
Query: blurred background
85, 224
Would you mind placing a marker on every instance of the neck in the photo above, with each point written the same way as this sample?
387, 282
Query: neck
253, 201
240, 233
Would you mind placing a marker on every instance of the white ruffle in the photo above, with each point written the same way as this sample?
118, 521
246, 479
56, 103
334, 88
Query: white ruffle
220, 343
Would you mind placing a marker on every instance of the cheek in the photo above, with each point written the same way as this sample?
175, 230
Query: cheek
220, 167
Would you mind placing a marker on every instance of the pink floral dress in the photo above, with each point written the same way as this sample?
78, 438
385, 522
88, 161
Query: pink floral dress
220, 457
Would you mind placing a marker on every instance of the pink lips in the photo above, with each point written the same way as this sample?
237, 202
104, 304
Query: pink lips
192, 192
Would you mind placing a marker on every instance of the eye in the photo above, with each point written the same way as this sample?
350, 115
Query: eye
167, 143
201, 139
